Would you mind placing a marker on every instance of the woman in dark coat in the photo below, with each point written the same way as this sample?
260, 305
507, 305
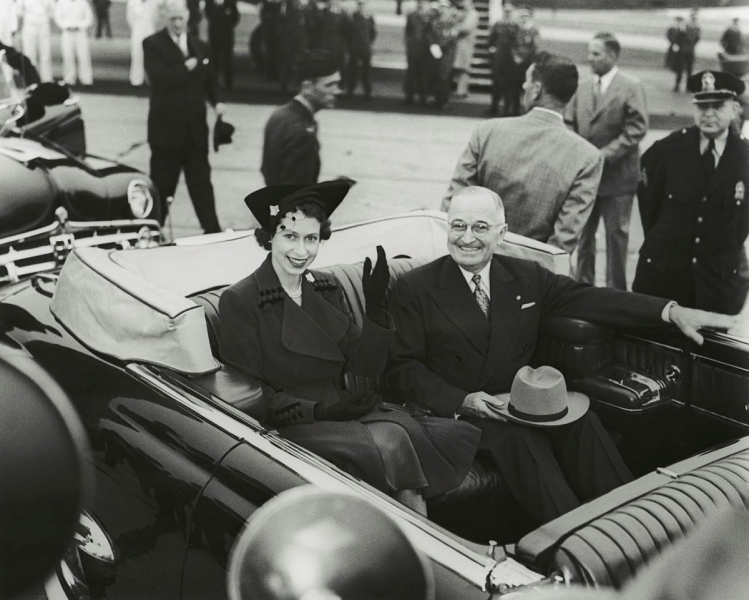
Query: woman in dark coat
286, 327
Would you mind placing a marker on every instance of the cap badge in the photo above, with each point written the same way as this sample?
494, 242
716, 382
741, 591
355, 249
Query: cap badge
273, 210
708, 82
739, 193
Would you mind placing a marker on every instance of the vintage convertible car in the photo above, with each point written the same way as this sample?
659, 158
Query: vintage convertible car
50, 186
182, 457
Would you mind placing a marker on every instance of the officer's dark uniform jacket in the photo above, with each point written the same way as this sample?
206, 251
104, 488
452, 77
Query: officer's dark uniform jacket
694, 229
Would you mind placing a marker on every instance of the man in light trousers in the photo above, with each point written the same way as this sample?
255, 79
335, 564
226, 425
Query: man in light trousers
36, 33
142, 16
75, 18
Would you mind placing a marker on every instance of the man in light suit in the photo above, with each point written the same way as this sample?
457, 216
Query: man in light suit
467, 322
609, 111
546, 175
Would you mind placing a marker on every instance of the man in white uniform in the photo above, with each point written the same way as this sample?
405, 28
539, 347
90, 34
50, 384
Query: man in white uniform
74, 18
8, 21
35, 34
142, 16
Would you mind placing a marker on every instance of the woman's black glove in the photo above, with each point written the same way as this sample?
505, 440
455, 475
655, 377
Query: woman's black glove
350, 407
375, 284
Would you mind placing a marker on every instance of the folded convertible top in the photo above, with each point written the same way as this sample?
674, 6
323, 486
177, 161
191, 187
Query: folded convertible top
133, 305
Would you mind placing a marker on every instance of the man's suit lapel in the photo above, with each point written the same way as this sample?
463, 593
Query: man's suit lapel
607, 98
170, 46
505, 315
454, 297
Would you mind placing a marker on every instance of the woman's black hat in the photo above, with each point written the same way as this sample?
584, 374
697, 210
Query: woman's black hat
271, 203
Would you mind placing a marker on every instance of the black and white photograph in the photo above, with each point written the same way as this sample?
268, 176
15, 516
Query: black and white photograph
374, 299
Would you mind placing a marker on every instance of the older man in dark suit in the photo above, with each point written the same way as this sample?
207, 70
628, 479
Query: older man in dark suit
609, 111
694, 206
291, 151
181, 79
546, 175
465, 325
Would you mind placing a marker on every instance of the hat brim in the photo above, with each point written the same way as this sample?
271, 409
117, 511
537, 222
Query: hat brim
222, 133
577, 405
709, 97
328, 195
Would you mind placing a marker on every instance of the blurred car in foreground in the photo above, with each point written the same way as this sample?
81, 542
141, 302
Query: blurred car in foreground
182, 456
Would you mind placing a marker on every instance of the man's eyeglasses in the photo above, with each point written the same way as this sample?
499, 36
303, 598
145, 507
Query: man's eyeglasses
478, 229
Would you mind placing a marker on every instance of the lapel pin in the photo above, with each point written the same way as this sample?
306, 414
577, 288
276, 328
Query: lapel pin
310, 277
517, 297
739, 194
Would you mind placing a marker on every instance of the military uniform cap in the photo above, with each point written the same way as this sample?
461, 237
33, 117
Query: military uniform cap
314, 64
714, 86
271, 203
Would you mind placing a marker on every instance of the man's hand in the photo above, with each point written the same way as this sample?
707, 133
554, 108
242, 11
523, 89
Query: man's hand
191, 63
691, 320
477, 404
219, 109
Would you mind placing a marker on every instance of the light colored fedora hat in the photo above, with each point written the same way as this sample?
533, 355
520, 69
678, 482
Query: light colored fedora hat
539, 398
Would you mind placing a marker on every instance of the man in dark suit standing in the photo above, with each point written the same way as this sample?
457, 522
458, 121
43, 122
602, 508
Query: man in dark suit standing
223, 17
694, 206
467, 322
609, 111
291, 151
181, 79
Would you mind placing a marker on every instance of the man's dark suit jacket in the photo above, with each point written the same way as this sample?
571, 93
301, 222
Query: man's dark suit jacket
177, 113
445, 348
291, 152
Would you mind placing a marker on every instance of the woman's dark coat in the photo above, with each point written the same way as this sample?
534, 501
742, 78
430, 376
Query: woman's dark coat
299, 355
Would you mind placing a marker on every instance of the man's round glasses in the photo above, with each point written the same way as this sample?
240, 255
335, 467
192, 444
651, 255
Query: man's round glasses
478, 229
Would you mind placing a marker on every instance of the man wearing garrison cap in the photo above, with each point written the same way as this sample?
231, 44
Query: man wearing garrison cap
291, 151
693, 204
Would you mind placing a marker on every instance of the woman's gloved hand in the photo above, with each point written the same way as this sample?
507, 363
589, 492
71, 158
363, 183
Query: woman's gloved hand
375, 284
350, 407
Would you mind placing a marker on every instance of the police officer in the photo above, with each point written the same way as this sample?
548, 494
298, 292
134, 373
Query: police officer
693, 205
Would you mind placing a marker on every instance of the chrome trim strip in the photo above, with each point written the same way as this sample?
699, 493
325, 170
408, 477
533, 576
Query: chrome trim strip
436, 545
701, 358
704, 411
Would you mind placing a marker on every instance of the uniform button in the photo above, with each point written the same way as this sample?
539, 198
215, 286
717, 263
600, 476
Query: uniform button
704, 199
700, 219
696, 240
648, 260
694, 261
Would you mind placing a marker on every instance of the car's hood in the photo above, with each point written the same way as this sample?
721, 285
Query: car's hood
43, 178
26, 195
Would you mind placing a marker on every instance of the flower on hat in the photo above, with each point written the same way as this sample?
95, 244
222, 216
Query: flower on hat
273, 210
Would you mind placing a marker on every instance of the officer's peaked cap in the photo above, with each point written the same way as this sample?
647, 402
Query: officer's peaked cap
714, 86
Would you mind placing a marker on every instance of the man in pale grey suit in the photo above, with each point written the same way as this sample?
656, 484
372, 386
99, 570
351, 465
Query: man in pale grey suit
609, 111
546, 175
